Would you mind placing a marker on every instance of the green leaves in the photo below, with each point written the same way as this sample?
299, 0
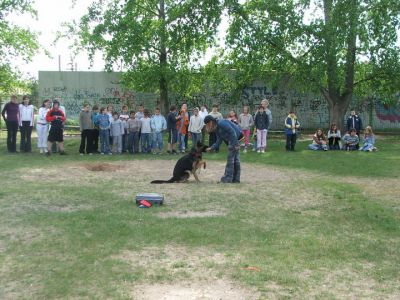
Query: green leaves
14, 41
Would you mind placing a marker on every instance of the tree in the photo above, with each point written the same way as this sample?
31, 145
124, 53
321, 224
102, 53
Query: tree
337, 47
157, 41
15, 42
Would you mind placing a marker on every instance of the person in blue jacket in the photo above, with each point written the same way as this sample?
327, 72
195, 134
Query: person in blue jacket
230, 133
354, 121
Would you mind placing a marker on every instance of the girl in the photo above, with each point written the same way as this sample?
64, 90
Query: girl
246, 122
42, 127
319, 141
334, 138
261, 122
26, 120
232, 117
369, 140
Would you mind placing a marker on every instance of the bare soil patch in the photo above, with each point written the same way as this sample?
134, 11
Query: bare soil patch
102, 167
219, 289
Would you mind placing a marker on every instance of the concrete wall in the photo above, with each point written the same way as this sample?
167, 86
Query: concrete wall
75, 88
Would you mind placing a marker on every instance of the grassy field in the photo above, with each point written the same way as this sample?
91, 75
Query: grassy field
300, 225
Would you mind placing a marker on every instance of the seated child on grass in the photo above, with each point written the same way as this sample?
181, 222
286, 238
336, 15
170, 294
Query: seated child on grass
351, 140
369, 140
319, 141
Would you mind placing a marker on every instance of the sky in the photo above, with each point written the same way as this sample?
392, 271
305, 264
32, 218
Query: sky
51, 15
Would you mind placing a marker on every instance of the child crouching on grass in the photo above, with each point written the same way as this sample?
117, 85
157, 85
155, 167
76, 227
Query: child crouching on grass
117, 130
369, 140
351, 140
319, 141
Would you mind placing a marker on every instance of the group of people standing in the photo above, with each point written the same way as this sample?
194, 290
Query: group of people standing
21, 116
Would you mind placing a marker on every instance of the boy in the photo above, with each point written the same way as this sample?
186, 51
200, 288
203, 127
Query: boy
145, 132
117, 131
292, 126
195, 126
103, 122
95, 131
158, 124
351, 140
133, 127
124, 116
172, 118
86, 127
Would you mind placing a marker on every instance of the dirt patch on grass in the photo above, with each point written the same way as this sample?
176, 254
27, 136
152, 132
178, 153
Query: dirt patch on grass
197, 274
102, 167
217, 289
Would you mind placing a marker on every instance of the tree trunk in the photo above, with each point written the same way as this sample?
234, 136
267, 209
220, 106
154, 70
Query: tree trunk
337, 110
164, 104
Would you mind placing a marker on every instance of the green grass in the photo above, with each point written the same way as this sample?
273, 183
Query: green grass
317, 235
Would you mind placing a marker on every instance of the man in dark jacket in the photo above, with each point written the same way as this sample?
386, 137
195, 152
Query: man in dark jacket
228, 132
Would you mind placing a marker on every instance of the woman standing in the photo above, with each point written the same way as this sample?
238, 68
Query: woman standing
26, 120
42, 127
10, 115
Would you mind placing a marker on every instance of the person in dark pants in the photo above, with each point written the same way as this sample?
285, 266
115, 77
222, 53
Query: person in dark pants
10, 115
172, 119
95, 132
56, 118
292, 126
86, 127
26, 120
230, 133
354, 122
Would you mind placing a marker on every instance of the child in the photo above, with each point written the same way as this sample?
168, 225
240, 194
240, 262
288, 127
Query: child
369, 140
261, 126
124, 116
292, 126
255, 131
172, 118
86, 127
232, 117
182, 126
319, 141
56, 118
145, 131
117, 131
212, 135
133, 125
351, 140
95, 131
195, 126
42, 127
103, 122
246, 122
334, 138
158, 125
26, 120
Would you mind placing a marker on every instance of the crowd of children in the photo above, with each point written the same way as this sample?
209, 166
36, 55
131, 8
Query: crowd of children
106, 131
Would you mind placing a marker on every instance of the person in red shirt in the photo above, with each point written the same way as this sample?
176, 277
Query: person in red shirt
56, 118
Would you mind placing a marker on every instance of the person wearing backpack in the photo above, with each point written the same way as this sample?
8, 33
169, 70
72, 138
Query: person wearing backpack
230, 133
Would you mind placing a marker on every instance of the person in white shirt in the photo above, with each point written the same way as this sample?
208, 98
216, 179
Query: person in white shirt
203, 113
26, 120
196, 124
42, 128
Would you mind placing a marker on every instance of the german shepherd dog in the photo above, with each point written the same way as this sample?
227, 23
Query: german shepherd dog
187, 164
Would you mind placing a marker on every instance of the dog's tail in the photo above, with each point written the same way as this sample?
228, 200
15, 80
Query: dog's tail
163, 181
